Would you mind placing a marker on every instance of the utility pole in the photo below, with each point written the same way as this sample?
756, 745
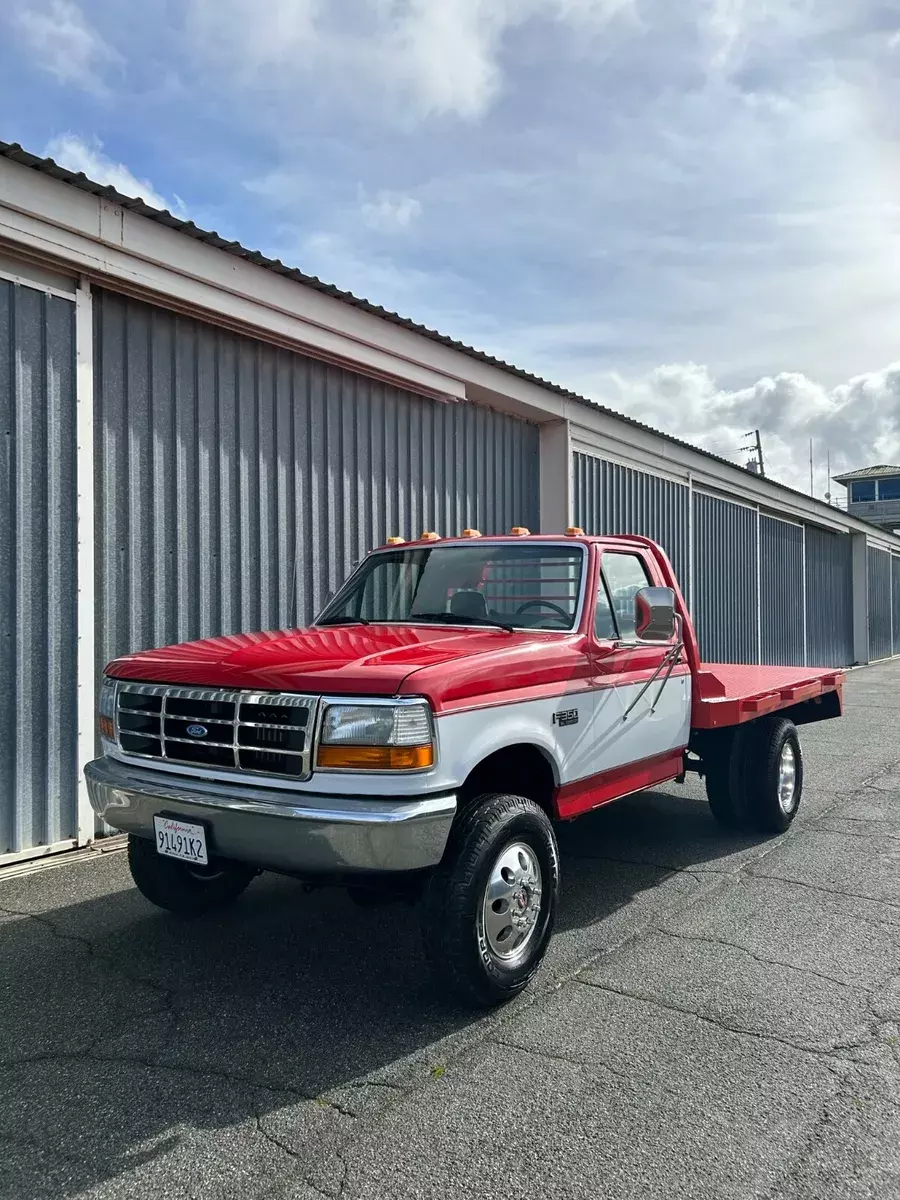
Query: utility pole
828, 481
810, 468
757, 446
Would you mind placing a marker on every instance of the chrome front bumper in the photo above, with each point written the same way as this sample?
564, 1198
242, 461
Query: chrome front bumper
289, 831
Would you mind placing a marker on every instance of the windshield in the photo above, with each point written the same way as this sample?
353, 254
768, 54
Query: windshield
512, 586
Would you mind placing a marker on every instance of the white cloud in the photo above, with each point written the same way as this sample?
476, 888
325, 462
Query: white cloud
63, 43
75, 154
423, 57
255, 38
857, 422
390, 212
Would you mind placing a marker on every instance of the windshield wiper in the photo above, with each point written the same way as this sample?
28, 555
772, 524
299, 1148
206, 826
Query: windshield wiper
458, 619
344, 621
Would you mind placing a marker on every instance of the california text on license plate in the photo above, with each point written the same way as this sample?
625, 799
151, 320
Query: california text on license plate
180, 839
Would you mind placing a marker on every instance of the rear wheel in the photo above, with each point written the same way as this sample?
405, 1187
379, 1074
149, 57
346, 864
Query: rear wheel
491, 905
190, 891
754, 776
775, 784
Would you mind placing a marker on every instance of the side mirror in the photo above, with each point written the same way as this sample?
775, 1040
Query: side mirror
654, 614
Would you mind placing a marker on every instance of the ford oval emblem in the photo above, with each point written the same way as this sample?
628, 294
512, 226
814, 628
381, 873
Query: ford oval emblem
197, 730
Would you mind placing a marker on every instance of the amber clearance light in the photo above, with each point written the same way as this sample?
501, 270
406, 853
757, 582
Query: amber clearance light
375, 758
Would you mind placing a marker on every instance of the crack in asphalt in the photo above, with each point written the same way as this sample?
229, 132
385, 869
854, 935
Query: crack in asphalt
721, 1023
760, 958
165, 993
198, 1073
821, 887
880, 835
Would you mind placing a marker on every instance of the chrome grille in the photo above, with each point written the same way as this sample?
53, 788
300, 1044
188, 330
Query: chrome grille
263, 732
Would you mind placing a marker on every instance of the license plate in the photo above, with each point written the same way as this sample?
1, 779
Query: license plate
180, 839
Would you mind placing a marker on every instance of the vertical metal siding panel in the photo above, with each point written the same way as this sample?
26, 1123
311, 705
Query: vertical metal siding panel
781, 582
187, 497
725, 580
38, 550
267, 496
613, 499
286, 522
227, 450
829, 598
162, 580
895, 599
9, 624
61, 698
209, 566
880, 639
239, 483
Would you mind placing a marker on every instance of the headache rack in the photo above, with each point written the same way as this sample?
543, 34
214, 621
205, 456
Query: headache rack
260, 732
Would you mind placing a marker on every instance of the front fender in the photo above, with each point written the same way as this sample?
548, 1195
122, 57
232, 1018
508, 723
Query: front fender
558, 726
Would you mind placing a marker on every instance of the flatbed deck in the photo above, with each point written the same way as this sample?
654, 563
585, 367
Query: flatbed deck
731, 693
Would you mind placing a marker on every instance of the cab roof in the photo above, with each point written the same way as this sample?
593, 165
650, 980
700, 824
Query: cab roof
507, 538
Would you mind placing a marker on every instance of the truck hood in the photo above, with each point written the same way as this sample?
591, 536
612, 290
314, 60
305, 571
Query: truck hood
342, 660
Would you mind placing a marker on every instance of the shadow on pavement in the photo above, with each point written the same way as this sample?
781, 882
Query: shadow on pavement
122, 1025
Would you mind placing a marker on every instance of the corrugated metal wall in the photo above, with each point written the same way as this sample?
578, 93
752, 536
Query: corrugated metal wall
781, 591
726, 598
895, 596
880, 637
614, 499
233, 476
38, 635
829, 598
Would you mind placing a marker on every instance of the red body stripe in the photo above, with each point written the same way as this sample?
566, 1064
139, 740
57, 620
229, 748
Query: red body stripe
551, 691
574, 798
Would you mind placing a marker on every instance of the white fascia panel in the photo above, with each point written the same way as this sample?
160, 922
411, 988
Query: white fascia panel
107, 244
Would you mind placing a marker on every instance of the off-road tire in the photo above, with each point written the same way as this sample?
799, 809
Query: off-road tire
454, 933
183, 889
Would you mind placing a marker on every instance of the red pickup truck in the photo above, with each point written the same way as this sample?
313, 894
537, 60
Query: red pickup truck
455, 699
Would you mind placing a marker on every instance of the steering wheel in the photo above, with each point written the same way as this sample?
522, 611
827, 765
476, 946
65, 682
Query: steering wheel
561, 612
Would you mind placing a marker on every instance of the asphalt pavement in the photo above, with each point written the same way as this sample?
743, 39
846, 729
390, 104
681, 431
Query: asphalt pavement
718, 1017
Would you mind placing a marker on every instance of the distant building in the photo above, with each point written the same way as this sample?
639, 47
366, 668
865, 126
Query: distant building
873, 494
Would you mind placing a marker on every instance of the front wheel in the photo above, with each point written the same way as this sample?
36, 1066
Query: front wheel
190, 891
491, 905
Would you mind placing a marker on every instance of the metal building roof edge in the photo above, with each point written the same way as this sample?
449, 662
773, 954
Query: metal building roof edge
867, 473
16, 153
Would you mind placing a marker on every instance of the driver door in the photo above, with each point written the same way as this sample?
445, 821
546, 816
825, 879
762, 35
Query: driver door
630, 729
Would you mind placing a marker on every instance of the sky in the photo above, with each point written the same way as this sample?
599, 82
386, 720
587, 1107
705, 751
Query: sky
687, 211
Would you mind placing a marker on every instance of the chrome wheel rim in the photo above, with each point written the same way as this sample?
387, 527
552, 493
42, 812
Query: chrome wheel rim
787, 778
512, 902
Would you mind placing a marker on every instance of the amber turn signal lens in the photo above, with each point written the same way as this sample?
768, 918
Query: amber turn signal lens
107, 728
430, 536
467, 533
376, 758
574, 531
395, 541
519, 531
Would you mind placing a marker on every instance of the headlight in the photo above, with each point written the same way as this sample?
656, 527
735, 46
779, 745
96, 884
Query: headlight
380, 737
106, 709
